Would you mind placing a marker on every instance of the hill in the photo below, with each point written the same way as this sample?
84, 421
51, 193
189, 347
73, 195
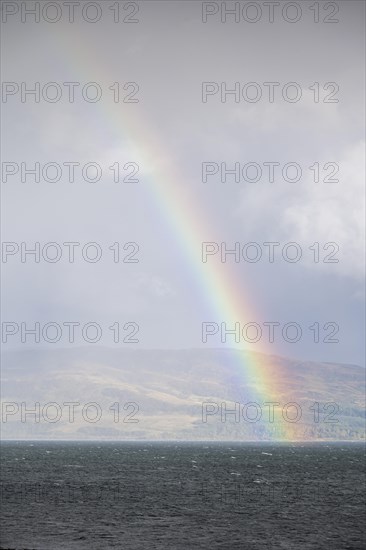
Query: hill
164, 394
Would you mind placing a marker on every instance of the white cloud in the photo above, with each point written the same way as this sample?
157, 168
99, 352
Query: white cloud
308, 212
154, 285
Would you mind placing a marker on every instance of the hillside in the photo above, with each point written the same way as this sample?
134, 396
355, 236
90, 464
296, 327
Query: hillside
164, 392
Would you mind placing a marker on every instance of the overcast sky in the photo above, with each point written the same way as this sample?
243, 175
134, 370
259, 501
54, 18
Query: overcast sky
169, 133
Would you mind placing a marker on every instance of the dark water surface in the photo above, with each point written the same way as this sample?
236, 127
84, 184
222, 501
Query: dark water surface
181, 495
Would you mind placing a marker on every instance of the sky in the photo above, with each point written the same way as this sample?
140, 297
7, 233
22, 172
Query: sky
180, 124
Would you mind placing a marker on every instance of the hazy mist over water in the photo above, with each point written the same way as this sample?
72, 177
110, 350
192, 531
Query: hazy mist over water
183, 267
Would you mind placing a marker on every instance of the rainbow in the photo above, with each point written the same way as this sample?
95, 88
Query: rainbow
183, 215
